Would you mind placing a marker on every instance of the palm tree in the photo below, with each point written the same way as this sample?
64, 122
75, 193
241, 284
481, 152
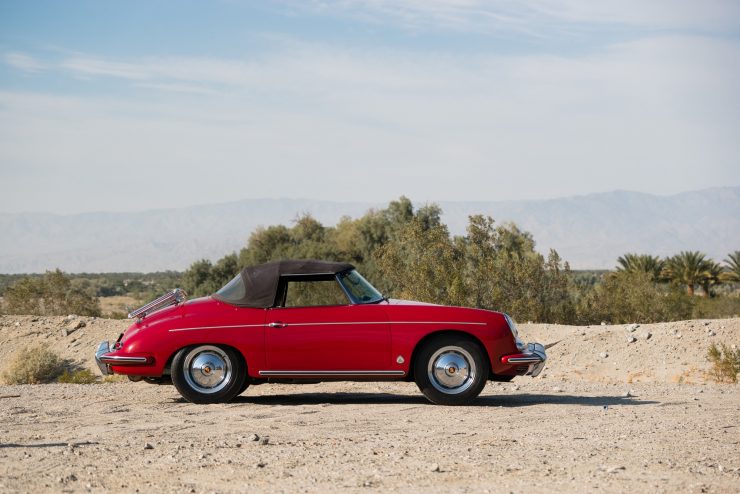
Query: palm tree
712, 276
643, 263
732, 265
687, 268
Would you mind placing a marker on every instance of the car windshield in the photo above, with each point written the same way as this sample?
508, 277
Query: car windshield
233, 291
359, 289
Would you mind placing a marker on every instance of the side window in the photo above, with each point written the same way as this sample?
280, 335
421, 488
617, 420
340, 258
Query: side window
311, 293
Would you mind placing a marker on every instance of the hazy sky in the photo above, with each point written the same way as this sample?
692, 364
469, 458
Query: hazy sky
146, 104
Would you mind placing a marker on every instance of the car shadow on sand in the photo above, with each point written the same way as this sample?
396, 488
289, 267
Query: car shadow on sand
508, 400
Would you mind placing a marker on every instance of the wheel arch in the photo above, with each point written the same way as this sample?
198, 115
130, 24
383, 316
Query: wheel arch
168, 366
445, 332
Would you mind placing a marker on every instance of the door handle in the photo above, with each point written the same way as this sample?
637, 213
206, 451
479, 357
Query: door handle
277, 324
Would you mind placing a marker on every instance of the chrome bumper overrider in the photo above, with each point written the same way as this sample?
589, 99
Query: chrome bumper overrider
103, 348
104, 360
534, 355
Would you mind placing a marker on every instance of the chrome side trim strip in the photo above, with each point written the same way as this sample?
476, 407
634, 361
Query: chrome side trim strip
355, 323
349, 323
439, 322
218, 327
121, 360
349, 373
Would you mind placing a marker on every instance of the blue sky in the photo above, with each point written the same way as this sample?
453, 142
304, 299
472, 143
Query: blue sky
138, 105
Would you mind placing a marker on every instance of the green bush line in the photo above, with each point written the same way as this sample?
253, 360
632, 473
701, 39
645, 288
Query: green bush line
409, 253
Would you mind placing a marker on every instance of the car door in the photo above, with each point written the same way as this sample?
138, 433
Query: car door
317, 331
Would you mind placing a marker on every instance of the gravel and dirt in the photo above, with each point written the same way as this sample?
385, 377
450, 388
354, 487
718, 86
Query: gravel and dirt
618, 409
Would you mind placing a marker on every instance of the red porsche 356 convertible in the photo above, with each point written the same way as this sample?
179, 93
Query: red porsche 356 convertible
308, 321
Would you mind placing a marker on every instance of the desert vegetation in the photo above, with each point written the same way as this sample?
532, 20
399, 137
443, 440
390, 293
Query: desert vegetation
409, 253
91, 294
725, 362
50, 294
33, 365
36, 364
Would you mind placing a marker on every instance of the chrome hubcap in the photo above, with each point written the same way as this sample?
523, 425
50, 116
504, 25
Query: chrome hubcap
207, 369
451, 370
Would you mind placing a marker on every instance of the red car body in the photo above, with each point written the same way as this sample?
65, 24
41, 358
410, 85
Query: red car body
375, 341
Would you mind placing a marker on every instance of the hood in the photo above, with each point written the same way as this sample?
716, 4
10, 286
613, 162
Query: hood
395, 301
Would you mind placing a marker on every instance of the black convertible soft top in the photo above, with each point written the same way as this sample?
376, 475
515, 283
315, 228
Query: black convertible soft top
256, 286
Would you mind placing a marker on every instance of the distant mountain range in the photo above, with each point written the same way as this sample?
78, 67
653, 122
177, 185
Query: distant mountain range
589, 231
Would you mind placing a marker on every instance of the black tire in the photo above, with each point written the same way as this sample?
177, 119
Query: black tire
244, 386
451, 370
501, 379
162, 381
208, 373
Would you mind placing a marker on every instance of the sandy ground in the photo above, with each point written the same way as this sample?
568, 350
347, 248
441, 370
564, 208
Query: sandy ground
574, 429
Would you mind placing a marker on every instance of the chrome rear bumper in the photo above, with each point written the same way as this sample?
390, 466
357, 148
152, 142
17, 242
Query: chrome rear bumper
104, 360
103, 348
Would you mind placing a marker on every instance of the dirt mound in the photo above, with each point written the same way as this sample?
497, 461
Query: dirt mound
74, 338
665, 352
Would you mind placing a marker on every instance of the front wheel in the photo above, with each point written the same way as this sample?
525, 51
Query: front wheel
208, 373
450, 370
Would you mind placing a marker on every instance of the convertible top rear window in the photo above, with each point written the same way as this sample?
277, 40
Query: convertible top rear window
233, 291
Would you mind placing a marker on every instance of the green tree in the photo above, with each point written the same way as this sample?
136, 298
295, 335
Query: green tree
688, 268
732, 266
653, 265
204, 278
490, 267
422, 265
712, 276
196, 280
504, 272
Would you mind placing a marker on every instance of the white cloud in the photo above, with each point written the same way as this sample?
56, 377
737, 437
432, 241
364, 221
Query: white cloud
533, 17
176, 88
657, 114
23, 62
96, 67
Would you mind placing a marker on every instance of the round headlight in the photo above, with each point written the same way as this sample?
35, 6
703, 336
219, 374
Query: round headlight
515, 332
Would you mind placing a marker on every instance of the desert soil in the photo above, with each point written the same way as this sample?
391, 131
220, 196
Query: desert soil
608, 414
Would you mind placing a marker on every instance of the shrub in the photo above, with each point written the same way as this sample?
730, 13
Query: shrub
718, 307
629, 296
53, 294
725, 363
116, 314
79, 376
34, 365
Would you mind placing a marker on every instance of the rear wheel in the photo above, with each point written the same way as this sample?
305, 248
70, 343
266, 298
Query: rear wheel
208, 373
450, 370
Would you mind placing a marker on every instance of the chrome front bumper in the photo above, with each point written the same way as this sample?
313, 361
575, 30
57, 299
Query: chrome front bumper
534, 356
103, 348
104, 360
